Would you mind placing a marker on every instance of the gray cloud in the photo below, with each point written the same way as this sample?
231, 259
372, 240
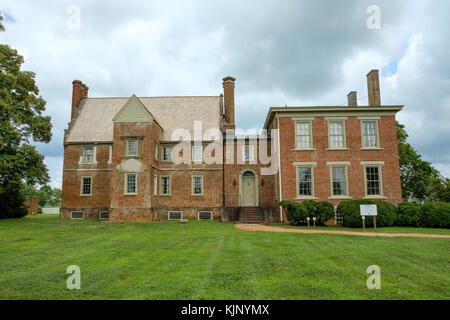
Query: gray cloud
289, 52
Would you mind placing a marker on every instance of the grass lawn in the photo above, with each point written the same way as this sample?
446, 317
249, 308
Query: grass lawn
211, 260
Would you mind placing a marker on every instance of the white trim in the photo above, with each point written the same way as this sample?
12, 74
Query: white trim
375, 163
94, 154
305, 119
127, 147
377, 131
336, 118
155, 185
198, 215
347, 191
194, 161
369, 118
82, 186
344, 133
125, 189
279, 166
338, 163
72, 218
311, 140
193, 186
110, 155
304, 164
161, 188
169, 212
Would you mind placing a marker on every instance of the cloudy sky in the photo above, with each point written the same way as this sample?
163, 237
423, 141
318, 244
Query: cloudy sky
281, 53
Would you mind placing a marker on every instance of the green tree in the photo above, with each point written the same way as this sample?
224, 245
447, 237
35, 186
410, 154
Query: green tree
415, 173
439, 190
21, 122
2, 28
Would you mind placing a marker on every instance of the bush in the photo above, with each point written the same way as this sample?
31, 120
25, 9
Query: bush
298, 212
350, 211
435, 215
409, 214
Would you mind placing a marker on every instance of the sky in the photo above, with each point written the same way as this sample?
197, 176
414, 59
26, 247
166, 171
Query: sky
295, 53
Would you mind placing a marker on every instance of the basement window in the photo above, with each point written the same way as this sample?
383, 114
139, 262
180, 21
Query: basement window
104, 215
175, 215
77, 215
204, 215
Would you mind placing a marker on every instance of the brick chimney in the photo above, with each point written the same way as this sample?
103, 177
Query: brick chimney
373, 86
352, 99
79, 92
228, 92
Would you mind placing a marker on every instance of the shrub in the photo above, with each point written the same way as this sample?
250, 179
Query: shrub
325, 211
295, 213
409, 214
350, 211
298, 212
435, 215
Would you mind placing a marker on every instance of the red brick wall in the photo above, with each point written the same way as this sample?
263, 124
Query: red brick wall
388, 154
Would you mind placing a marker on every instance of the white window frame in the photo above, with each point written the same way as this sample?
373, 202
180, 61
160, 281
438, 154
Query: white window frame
344, 138
196, 161
161, 186
370, 119
169, 212
72, 218
378, 164
156, 151
344, 165
127, 151
311, 165
155, 185
83, 155
162, 153
251, 153
125, 189
82, 194
193, 185
100, 215
200, 211
110, 155
311, 142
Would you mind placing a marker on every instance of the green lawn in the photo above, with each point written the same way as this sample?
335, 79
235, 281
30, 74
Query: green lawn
211, 260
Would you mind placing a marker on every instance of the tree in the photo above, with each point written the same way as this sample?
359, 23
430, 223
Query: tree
415, 173
48, 196
21, 121
439, 190
2, 28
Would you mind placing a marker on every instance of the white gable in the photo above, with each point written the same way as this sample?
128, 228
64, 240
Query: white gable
133, 111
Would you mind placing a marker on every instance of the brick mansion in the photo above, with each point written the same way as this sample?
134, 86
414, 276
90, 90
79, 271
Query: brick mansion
121, 157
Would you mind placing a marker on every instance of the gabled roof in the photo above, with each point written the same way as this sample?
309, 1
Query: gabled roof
95, 121
133, 111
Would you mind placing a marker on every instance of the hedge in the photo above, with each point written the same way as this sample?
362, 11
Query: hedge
435, 215
350, 211
298, 212
409, 214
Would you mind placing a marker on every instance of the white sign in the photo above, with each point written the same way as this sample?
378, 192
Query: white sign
368, 210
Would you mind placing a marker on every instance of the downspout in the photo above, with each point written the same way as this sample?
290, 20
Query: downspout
279, 167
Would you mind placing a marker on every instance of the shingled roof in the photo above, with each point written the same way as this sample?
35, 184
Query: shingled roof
95, 121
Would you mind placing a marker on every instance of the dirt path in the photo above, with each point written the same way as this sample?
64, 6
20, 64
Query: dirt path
263, 228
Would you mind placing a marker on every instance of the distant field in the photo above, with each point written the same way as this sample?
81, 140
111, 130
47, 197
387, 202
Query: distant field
211, 260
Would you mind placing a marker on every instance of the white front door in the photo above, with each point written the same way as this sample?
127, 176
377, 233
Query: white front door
248, 191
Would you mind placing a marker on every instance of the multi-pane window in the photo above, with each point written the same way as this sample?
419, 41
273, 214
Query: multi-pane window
132, 147
305, 181
86, 186
373, 180
131, 181
197, 154
303, 135
337, 134
339, 181
87, 155
197, 185
165, 186
369, 132
167, 153
248, 153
